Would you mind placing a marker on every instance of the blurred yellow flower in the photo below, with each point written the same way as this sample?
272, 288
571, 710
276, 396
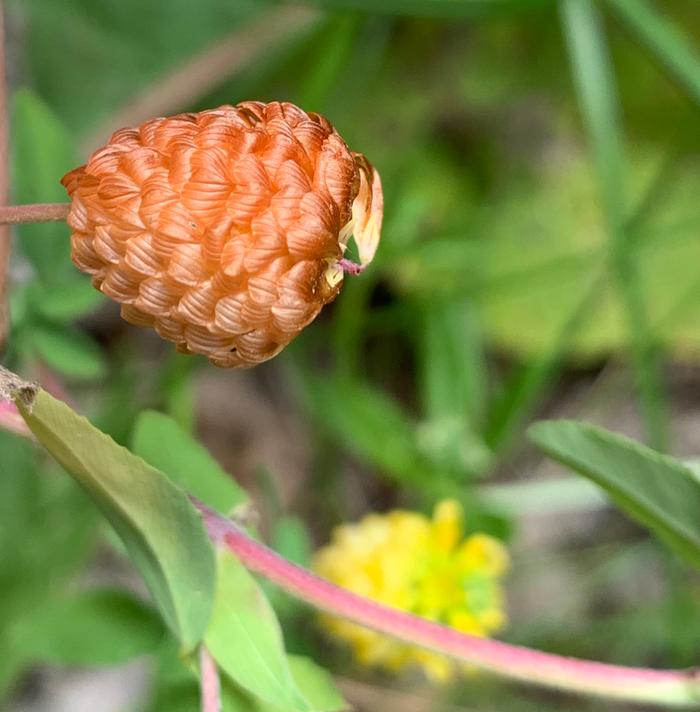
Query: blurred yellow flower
426, 567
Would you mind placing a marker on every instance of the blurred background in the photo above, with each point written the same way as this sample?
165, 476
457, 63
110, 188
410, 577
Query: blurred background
539, 258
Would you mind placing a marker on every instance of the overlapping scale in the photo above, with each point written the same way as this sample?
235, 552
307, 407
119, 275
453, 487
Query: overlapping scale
218, 229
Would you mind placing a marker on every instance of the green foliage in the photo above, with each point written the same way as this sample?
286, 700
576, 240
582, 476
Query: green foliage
143, 507
177, 688
164, 537
104, 53
70, 352
46, 536
370, 424
88, 628
537, 230
656, 490
316, 684
42, 152
597, 96
669, 44
185, 462
245, 639
74, 299
43, 310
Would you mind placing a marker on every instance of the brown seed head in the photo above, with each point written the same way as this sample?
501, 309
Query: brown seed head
223, 230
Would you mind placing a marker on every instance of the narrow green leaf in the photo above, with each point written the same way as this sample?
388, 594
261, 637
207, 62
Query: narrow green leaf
161, 530
245, 639
42, 152
89, 628
597, 93
665, 40
160, 441
595, 85
656, 490
453, 385
453, 374
70, 352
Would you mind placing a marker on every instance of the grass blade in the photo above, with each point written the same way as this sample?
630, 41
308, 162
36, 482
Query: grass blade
664, 40
593, 77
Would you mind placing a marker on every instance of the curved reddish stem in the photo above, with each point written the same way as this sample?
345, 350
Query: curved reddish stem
33, 213
663, 687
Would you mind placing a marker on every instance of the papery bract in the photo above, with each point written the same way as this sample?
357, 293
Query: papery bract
223, 230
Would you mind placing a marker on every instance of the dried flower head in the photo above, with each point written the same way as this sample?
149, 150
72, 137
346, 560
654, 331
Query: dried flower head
409, 562
224, 230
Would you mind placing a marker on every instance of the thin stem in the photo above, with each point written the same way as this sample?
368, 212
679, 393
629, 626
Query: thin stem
668, 688
209, 682
33, 213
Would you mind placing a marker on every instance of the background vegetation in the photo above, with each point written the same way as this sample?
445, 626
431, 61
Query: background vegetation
539, 258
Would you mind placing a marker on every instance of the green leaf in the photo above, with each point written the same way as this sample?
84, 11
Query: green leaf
595, 84
89, 628
665, 40
69, 352
317, 684
161, 530
370, 424
244, 638
47, 531
656, 490
453, 375
160, 441
71, 300
42, 152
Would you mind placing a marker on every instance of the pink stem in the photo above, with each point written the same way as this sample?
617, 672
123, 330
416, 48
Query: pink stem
209, 682
11, 420
666, 687
34, 213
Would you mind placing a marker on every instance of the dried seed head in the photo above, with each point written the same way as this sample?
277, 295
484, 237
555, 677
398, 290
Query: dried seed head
224, 230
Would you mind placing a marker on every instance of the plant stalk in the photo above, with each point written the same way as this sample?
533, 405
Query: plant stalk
677, 688
210, 686
33, 213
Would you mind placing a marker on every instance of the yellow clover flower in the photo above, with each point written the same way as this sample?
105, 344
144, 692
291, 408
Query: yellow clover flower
426, 567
